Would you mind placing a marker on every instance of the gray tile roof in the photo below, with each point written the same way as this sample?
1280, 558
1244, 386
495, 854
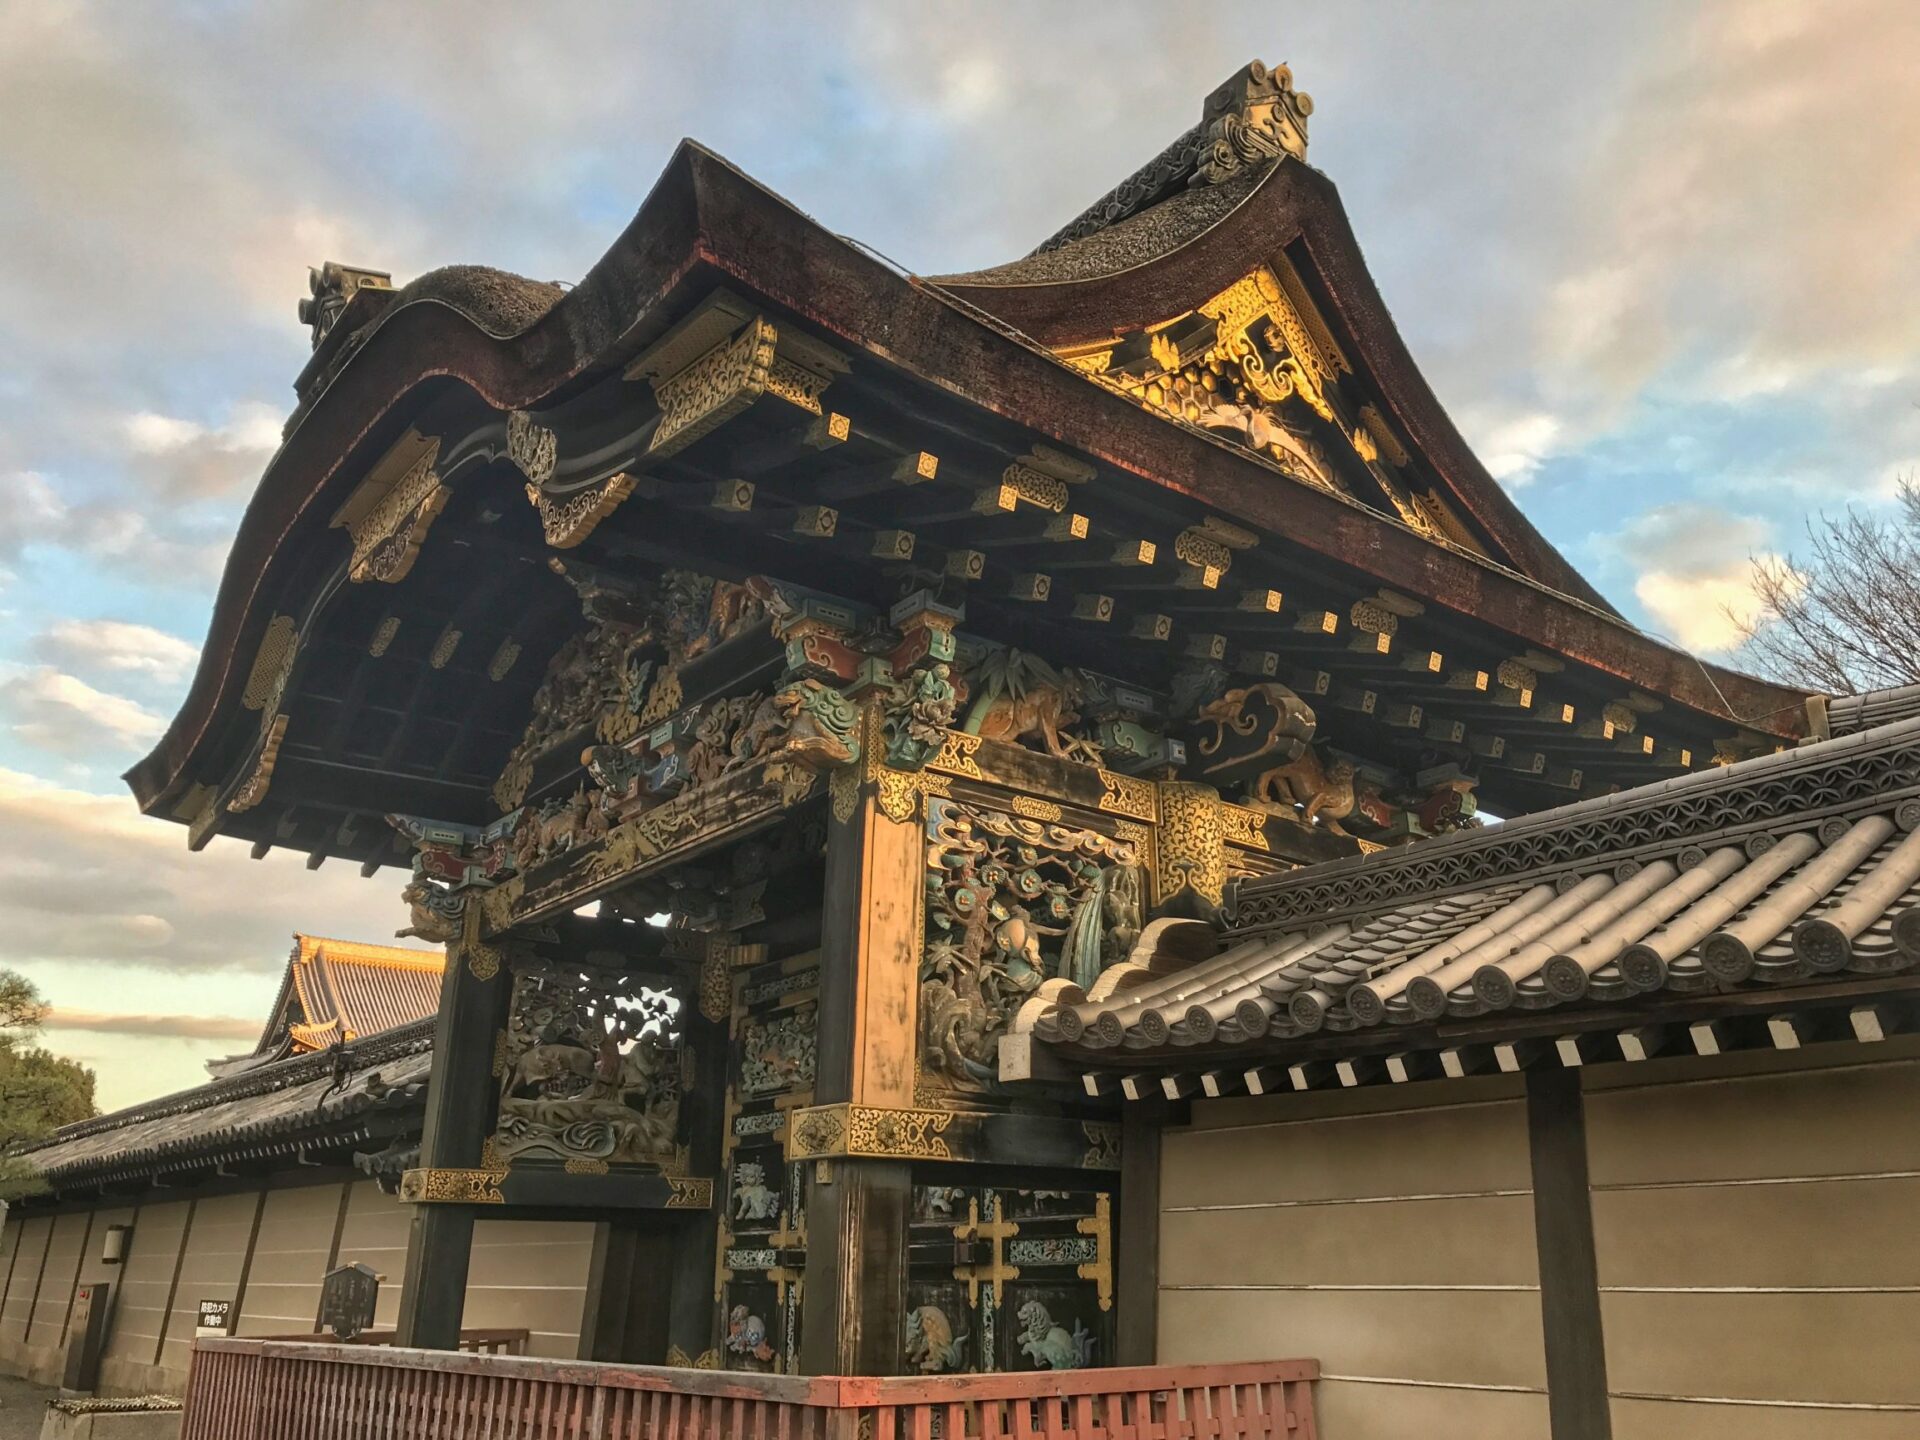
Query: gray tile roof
1796, 867
272, 1110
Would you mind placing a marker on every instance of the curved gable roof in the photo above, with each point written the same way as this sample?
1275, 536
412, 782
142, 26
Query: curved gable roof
1168, 260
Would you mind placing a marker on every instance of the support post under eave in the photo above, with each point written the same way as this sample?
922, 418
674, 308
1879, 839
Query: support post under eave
461, 1094
1136, 1276
858, 1209
1577, 1403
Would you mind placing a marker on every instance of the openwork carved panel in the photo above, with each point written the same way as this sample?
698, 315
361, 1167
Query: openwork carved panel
1012, 903
591, 1073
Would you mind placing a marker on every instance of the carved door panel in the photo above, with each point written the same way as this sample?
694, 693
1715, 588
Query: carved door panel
760, 1271
1057, 1309
950, 1314
1007, 1279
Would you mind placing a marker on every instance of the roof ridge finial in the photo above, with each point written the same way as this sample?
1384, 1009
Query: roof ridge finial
1253, 119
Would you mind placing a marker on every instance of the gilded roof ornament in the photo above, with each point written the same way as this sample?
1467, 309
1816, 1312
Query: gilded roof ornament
1253, 119
1246, 124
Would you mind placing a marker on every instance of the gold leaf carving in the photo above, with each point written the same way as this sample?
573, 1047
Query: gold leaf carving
387, 537
255, 790
796, 385
689, 1192
1243, 826
272, 665
844, 786
1189, 848
713, 389
569, 519
1127, 796
383, 636
871, 1131
1035, 809
956, 756
531, 446
452, 1187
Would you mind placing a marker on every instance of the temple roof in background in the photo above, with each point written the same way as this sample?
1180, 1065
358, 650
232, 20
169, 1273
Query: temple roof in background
343, 1060
338, 991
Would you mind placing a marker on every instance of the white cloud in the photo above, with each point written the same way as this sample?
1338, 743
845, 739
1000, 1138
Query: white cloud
184, 1027
118, 646
1513, 447
171, 556
31, 511
1703, 612
1693, 567
87, 878
62, 713
194, 461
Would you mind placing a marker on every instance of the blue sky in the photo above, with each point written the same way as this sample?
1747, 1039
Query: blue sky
1660, 261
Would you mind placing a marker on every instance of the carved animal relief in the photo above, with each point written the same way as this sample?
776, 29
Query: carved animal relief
588, 1073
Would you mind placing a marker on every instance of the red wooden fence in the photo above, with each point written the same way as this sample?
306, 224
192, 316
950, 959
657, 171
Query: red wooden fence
478, 1342
290, 1390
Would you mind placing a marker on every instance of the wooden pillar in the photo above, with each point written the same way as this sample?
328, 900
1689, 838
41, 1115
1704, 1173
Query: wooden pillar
461, 1094
854, 1306
687, 1271
1136, 1278
1577, 1403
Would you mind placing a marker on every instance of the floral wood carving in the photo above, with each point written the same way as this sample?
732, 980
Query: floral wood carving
388, 537
713, 389
1012, 903
568, 519
531, 446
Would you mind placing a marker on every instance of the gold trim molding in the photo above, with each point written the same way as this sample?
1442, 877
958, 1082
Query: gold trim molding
827, 1132
452, 1187
689, 1192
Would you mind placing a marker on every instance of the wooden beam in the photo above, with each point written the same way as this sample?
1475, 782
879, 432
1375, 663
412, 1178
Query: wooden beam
1577, 1402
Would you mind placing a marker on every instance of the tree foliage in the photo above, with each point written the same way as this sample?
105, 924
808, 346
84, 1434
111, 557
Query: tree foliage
1845, 617
39, 1091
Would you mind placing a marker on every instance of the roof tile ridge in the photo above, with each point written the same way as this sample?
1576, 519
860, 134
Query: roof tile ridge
1397, 874
280, 1074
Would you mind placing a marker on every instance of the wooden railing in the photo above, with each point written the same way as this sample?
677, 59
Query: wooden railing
291, 1390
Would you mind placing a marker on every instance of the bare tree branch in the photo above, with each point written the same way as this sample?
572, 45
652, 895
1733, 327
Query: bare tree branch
1846, 618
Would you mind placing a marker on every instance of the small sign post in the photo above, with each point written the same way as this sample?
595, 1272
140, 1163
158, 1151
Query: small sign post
216, 1318
348, 1297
